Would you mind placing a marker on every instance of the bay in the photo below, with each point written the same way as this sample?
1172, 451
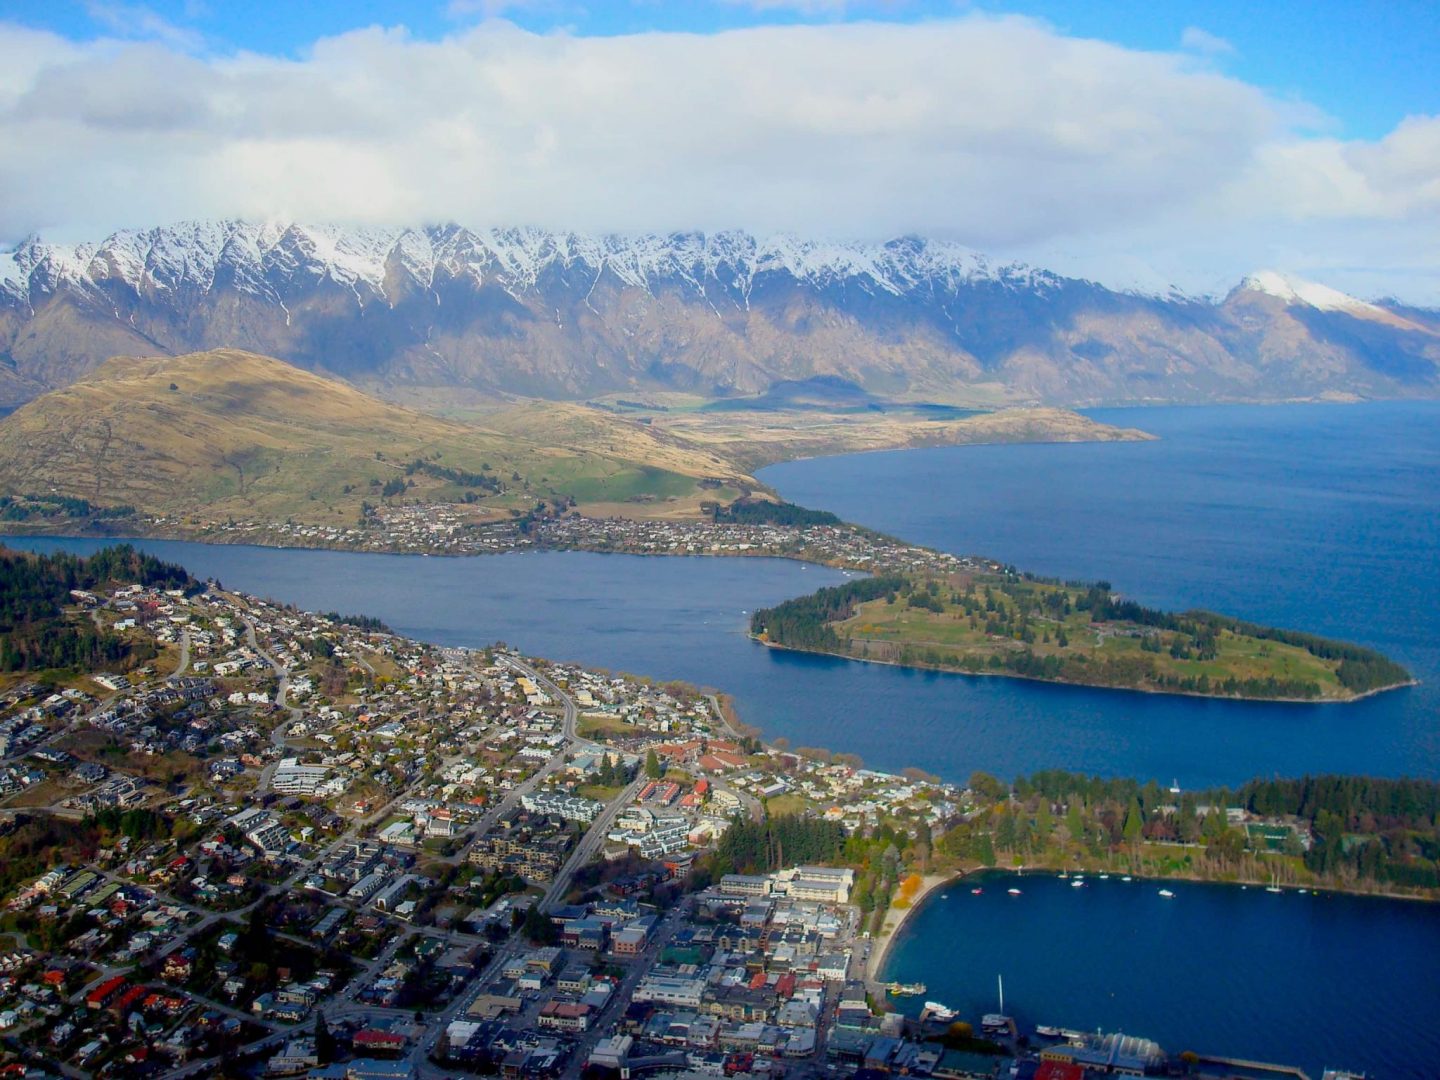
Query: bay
1314, 980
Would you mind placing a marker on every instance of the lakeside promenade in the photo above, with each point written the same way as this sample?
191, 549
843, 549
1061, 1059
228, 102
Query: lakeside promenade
895, 919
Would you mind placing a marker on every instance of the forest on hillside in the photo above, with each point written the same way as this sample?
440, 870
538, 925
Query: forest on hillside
35, 631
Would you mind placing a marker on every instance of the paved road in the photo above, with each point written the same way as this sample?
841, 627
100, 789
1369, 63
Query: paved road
641, 964
572, 712
512, 797
277, 736
184, 664
594, 837
590, 843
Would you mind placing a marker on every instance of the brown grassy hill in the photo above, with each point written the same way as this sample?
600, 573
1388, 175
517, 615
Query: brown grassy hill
228, 433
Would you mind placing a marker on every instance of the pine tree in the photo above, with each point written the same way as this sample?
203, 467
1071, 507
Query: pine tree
1134, 821
1074, 822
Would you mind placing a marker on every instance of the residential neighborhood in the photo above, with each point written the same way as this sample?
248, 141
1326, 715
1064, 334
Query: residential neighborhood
285, 822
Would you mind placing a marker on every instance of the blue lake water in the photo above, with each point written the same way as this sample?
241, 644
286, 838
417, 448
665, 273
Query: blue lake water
1311, 980
1321, 518
1318, 518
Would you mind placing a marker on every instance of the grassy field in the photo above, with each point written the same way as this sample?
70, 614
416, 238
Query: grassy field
228, 434
599, 792
787, 804
1051, 631
590, 727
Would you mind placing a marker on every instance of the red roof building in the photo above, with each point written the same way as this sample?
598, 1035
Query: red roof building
129, 1000
371, 1041
97, 998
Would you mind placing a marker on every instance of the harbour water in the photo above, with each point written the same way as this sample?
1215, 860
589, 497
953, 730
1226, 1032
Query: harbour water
1314, 980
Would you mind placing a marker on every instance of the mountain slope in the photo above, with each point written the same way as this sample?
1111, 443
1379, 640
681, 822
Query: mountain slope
230, 433
563, 316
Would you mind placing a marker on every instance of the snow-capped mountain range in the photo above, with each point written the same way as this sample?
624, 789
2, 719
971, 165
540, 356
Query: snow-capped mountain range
263, 258
557, 314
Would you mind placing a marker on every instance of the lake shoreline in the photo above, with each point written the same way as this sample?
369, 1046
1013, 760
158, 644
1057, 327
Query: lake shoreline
1088, 686
883, 944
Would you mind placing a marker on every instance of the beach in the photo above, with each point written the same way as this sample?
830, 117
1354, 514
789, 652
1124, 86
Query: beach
896, 917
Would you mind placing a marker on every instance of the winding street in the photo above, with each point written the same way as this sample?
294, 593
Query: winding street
183, 664
277, 735
572, 742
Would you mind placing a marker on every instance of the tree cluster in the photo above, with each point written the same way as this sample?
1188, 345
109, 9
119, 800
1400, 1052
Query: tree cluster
34, 589
362, 622
763, 512
757, 847
1362, 829
461, 477
803, 623
32, 507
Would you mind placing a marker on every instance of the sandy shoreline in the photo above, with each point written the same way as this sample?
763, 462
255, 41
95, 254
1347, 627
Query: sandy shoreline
895, 919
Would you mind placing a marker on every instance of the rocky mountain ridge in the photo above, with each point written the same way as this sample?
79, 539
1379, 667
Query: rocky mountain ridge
534, 313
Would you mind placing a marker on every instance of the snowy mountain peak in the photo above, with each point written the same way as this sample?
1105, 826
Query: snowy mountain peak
1295, 290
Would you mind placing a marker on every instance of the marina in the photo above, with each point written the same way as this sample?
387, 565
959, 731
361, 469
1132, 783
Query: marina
1151, 969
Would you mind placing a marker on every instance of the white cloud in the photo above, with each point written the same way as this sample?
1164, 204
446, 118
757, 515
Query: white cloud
1202, 41
1000, 132
138, 22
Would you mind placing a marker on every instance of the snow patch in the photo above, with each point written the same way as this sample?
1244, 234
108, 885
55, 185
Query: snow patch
267, 259
1295, 290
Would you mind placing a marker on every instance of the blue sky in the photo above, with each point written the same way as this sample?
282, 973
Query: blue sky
1141, 144
1367, 65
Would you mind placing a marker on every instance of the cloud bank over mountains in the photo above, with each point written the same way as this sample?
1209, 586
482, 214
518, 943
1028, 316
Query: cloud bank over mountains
1126, 166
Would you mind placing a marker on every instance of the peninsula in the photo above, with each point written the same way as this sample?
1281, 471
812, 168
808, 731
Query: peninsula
983, 622
190, 445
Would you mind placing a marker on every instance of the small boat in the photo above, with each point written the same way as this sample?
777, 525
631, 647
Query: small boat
1013, 892
944, 896
1304, 891
933, 1010
1077, 884
1167, 894
1063, 875
1273, 888
997, 1023
1048, 1032
1125, 878
906, 989
976, 891
1104, 877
